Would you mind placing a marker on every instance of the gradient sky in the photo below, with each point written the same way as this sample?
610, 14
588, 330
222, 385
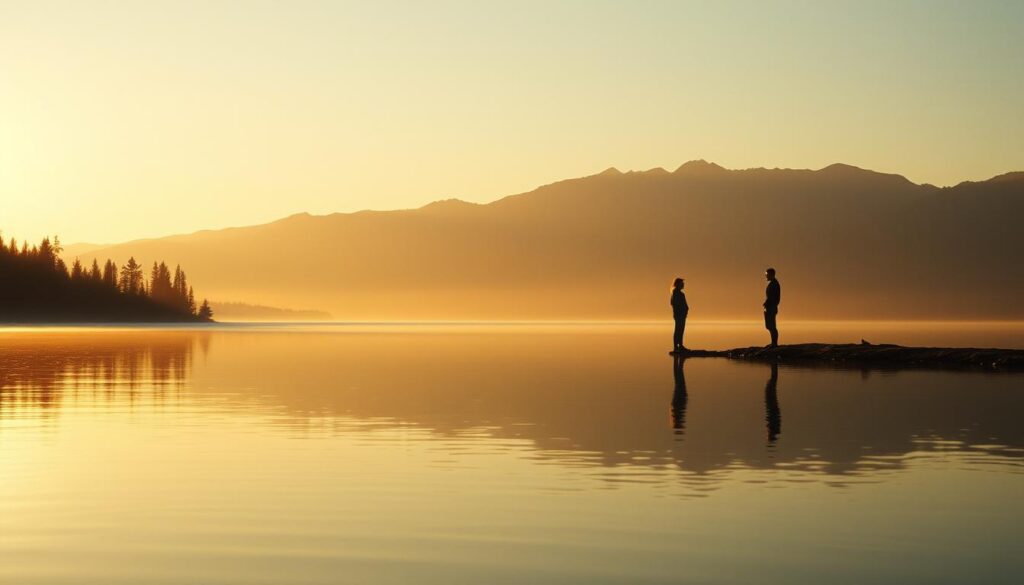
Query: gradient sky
121, 120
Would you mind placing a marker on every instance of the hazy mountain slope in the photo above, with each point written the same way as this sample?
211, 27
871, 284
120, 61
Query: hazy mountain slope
232, 311
81, 248
847, 243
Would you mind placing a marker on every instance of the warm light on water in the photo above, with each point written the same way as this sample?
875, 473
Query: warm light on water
500, 454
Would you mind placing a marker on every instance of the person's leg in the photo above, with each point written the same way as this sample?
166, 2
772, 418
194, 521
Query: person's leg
769, 324
682, 331
677, 335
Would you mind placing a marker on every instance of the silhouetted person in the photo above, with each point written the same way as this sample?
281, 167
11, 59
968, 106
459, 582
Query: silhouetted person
679, 395
679, 311
772, 414
772, 294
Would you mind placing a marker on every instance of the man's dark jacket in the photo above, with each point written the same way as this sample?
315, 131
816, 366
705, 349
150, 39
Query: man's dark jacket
679, 306
773, 295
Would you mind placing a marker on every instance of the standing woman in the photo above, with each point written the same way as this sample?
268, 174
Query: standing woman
772, 297
679, 311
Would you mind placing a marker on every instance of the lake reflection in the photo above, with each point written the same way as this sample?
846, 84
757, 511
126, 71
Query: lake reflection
488, 454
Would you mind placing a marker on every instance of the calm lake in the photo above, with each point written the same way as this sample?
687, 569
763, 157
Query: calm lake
487, 454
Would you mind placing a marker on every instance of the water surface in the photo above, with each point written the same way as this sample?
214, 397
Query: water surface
499, 454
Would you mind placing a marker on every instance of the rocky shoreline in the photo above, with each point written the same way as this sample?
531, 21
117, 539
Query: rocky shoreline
881, 355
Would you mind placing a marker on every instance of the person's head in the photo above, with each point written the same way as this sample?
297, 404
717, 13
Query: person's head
678, 284
770, 274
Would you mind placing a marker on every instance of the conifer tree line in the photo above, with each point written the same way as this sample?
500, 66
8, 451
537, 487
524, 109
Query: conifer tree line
37, 285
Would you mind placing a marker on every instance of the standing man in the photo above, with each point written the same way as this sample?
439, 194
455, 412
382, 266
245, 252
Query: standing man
772, 294
679, 311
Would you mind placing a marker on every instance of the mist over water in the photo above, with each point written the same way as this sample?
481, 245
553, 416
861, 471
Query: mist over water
539, 453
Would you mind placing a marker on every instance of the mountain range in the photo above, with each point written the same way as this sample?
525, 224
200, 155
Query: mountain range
848, 243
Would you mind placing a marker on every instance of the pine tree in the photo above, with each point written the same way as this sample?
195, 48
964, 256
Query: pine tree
160, 287
180, 299
45, 252
131, 278
205, 312
94, 272
110, 274
76, 270
154, 276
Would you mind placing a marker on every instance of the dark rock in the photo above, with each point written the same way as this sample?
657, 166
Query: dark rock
882, 355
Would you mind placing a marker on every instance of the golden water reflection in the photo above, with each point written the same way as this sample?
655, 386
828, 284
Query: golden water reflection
592, 398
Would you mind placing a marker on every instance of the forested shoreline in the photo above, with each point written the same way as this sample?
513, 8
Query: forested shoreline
37, 286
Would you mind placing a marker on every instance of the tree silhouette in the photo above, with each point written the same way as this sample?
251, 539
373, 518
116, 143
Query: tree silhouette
205, 312
131, 278
39, 287
110, 275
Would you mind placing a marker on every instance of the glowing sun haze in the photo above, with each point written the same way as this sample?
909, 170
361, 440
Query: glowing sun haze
122, 120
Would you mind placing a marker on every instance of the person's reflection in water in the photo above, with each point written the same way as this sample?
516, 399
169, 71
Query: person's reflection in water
679, 395
772, 414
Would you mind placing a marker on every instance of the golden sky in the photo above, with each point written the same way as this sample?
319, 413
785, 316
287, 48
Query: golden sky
121, 120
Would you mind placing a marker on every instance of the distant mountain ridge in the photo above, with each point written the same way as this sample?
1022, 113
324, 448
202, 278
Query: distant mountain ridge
848, 243
232, 311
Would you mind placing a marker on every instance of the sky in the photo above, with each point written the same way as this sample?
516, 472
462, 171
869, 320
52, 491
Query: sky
121, 120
